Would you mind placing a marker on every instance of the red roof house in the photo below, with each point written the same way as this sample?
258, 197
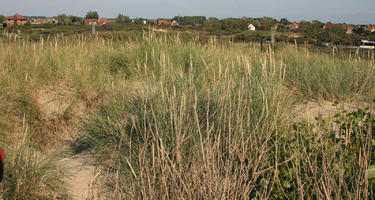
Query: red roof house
17, 19
90, 21
292, 26
164, 22
330, 25
168, 23
98, 21
105, 21
276, 26
370, 28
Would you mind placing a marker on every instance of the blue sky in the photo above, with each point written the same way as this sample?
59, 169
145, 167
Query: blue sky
349, 11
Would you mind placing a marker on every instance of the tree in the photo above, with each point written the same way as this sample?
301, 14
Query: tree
138, 20
63, 19
92, 15
190, 20
76, 20
268, 22
231, 25
245, 22
213, 24
2, 18
360, 30
318, 24
338, 30
284, 21
123, 19
313, 31
305, 26
178, 19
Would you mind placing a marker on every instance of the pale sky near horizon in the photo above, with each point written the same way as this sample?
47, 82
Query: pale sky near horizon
339, 11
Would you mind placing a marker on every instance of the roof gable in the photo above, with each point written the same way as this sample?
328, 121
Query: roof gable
17, 17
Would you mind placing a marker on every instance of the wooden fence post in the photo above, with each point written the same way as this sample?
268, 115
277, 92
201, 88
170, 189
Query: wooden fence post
93, 28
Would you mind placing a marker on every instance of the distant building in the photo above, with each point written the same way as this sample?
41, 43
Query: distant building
168, 23
175, 23
292, 26
276, 26
43, 21
349, 29
251, 27
98, 21
330, 25
51, 20
164, 22
91, 21
17, 19
370, 28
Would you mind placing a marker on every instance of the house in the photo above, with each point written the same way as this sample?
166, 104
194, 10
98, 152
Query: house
349, 29
370, 28
98, 21
164, 22
51, 20
167, 23
276, 26
330, 25
105, 21
175, 23
91, 21
43, 21
292, 26
251, 27
17, 19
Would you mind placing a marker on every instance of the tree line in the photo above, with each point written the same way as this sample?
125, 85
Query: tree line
311, 31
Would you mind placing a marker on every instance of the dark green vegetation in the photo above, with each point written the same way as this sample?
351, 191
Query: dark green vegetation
186, 116
336, 156
235, 29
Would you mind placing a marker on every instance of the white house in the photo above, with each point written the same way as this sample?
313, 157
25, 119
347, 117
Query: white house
251, 27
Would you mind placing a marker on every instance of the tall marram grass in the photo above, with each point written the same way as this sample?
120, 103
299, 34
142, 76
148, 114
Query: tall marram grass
176, 117
30, 175
324, 76
191, 136
211, 121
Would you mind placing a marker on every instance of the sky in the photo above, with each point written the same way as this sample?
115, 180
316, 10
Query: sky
338, 11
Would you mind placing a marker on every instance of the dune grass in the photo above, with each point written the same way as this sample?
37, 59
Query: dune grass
173, 117
31, 175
